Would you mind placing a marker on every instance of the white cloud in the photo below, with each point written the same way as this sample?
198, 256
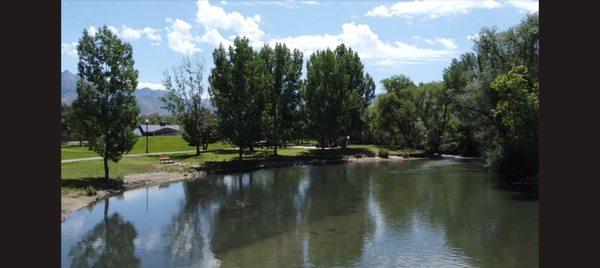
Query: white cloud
215, 18
114, 30
129, 33
69, 49
147, 32
212, 36
154, 86
281, 3
310, 2
92, 30
180, 39
448, 43
525, 6
431, 9
473, 37
370, 48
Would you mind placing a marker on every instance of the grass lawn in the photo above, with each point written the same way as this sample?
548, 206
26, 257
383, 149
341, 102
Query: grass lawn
78, 176
156, 144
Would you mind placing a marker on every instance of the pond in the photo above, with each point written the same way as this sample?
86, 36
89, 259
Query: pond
430, 213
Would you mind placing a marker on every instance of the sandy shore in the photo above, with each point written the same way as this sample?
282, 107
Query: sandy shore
71, 203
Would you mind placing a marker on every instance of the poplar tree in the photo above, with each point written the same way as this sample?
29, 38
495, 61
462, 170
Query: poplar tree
237, 93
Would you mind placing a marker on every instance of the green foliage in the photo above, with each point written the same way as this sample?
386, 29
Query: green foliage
383, 153
397, 113
336, 95
434, 111
65, 126
237, 86
494, 96
516, 152
281, 71
105, 110
90, 191
396, 83
184, 101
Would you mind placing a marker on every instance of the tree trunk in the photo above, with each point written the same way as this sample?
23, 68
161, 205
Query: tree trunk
197, 150
241, 151
106, 177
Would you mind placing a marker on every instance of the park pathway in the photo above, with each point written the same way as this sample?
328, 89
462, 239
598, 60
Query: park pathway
127, 155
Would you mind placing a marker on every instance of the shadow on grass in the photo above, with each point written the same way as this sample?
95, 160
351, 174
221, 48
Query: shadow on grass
98, 183
338, 153
265, 159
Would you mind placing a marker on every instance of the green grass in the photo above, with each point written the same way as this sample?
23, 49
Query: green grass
156, 144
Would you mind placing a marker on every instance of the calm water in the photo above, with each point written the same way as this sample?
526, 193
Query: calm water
440, 213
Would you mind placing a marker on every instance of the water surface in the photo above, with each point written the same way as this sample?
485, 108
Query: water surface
442, 213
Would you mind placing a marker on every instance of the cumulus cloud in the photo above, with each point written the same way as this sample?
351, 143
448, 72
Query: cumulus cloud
149, 85
129, 33
69, 49
215, 18
361, 38
431, 9
180, 38
525, 6
448, 43
146, 32
282, 3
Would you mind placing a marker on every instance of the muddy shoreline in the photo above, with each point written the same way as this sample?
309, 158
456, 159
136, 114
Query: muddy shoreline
72, 203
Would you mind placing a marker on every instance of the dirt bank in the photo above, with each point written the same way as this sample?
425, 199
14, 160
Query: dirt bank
71, 203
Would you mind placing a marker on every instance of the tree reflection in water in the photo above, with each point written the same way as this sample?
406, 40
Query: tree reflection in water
412, 213
109, 244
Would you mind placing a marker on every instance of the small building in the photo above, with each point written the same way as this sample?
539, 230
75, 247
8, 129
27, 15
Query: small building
156, 130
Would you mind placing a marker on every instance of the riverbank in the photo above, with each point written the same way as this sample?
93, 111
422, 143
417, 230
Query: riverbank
70, 203
167, 173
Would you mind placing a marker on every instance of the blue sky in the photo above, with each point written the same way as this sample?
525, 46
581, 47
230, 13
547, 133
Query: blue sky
415, 38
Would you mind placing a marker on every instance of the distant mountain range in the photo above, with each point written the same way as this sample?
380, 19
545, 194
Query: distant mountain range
148, 99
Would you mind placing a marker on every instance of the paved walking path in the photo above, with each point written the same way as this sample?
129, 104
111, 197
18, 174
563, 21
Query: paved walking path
127, 155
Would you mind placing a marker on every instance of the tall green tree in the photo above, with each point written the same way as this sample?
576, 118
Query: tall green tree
237, 93
469, 81
324, 97
337, 94
65, 124
282, 71
517, 143
105, 108
185, 87
290, 104
397, 112
433, 107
